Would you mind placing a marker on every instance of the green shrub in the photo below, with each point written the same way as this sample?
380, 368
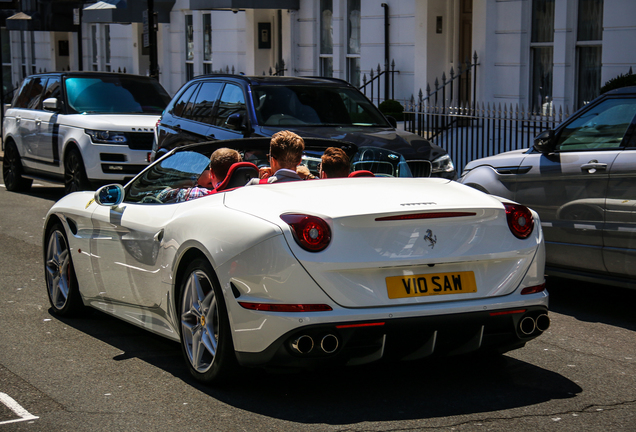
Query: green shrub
392, 108
623, 80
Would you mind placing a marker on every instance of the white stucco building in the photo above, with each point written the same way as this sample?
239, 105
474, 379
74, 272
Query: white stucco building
529, 52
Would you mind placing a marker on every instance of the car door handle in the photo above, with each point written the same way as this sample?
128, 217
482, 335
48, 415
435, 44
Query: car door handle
38, 122
210, 136
17, 119
593, 166
177, 127
159, 236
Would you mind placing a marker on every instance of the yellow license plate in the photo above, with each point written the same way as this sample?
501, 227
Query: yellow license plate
431, 284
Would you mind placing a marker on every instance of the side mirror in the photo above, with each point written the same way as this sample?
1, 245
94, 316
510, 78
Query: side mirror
109, 195
235, 121
544, 142
392, 120
51, 104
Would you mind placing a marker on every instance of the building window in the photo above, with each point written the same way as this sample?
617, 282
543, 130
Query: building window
189, 48
100, 47
7, 76
94, 50
27, 52
207, 43
588, 50
326, 38
107, 48
541, 55
353, 42
32, 45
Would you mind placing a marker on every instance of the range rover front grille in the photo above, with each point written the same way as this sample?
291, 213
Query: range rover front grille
140, 140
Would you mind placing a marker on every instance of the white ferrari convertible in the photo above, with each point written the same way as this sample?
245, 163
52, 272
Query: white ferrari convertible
300, 274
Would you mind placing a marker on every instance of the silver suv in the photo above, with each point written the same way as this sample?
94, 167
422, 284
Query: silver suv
581, 179
80, 128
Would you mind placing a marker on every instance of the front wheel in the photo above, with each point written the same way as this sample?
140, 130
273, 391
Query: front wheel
12, 170
75, 178
61, 283
206, 339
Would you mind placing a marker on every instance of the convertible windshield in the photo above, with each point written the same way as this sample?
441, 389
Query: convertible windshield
314, 106
115, 95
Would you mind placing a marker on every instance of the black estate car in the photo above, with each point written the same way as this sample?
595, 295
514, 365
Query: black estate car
214, 107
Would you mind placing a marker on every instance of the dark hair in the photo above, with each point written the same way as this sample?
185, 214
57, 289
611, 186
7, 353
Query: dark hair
287, 148
335, 162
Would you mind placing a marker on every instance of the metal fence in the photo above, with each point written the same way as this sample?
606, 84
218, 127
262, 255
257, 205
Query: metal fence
381, 83
473, 131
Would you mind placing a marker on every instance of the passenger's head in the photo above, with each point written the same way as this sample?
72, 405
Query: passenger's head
334, 163
286, 150
220, 162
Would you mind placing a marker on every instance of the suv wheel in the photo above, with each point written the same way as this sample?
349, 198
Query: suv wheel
12, 170
75, 178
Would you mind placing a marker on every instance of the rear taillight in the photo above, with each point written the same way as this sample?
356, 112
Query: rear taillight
310, 232
533, 289
520, 220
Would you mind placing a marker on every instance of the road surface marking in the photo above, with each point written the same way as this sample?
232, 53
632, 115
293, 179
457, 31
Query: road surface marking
16, 408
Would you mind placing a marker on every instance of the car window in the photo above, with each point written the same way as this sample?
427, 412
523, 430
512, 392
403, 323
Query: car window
232, 101
601, 127
181, 106
20, 97
315, 105
203, 107
180, 170
115, 95
30, 93
53, 88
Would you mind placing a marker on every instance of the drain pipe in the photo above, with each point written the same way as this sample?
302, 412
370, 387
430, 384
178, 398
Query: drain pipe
386, 50
280, 40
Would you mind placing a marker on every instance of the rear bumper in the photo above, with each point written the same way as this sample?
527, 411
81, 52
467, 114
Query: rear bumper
400, 339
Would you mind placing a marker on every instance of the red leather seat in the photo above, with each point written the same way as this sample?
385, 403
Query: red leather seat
238, 175
361, 173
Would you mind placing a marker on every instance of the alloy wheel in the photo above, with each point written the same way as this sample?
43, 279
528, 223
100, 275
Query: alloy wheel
200, 321
58, 269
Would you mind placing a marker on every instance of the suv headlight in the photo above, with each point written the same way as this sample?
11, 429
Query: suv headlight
443, 164
106, 137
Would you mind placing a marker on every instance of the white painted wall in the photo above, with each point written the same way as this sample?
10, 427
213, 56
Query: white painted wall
501, 38
619, 34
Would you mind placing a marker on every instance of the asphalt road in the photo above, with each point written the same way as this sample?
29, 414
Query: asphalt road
96, 373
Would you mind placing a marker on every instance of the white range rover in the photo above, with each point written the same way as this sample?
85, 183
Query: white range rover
80, 128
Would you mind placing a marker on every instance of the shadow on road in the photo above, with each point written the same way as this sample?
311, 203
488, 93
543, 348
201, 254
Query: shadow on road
593, 302
381, 392
47, 192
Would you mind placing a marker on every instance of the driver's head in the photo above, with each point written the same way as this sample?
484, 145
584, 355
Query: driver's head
287, 149
220, 162
334, 163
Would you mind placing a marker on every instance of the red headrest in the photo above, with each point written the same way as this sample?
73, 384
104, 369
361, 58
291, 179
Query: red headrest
361, 173
238, 175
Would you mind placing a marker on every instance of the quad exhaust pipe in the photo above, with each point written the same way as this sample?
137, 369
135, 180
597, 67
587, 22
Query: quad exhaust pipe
543, 322
305, 344
529, 324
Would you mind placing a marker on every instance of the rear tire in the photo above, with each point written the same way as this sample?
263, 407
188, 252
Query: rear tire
61, 283
12, 170
206, 339
75, 178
